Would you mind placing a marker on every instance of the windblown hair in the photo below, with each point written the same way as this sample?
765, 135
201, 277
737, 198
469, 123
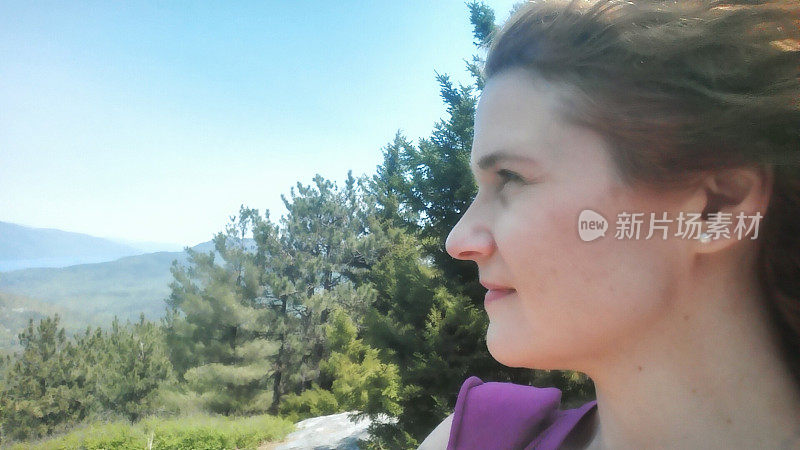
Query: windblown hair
679, 88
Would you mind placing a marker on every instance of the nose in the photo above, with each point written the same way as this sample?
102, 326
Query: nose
469, 239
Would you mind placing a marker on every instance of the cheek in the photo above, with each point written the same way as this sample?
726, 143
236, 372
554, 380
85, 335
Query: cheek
574, 293
547, 259
541, 246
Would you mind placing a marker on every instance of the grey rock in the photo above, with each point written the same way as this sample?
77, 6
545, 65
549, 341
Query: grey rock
336, 431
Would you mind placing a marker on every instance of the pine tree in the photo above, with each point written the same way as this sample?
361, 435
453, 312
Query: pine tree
390, 187
43, 391
131, 368
427, 315
257, 321
309, 263
442, 186
361, 380
216, 327
358, 378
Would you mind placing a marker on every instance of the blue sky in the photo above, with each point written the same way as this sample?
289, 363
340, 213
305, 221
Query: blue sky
154, 121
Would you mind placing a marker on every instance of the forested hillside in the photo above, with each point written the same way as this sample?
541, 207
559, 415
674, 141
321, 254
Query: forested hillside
124, 288
15, 313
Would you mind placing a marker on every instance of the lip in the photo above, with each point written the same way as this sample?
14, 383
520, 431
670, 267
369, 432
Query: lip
496, 291
498, 287
497, 294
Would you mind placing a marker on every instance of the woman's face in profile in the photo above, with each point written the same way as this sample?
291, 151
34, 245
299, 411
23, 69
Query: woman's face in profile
573, 300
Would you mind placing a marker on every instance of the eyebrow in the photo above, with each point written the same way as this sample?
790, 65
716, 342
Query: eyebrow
492, 159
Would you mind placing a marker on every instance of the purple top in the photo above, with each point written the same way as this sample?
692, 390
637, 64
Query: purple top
510, 416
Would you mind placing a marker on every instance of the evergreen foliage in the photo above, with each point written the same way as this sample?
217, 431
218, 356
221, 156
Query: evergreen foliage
55, 383
126, 367
45, 388
216, 324
427, 318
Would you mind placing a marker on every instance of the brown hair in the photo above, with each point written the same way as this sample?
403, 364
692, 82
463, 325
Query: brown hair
678, 88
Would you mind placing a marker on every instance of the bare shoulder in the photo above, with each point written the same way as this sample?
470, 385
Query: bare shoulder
438, 438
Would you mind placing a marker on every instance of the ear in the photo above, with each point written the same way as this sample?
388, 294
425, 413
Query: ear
732, 203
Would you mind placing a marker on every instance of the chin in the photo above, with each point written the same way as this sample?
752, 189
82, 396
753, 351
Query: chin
517, 354
509, 354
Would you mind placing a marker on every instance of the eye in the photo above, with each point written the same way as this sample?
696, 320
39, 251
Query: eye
507, 176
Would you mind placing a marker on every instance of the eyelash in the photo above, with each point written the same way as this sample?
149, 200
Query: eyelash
508, 176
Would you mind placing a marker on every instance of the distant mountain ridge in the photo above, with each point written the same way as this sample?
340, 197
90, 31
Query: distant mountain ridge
124, 287
86, 293
23, 247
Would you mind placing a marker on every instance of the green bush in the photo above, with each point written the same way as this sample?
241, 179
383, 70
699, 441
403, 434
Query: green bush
199, 432
310, 403
115, 435
118, 435
361, 381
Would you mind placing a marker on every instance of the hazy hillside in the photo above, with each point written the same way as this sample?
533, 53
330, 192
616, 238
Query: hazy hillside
124, 287
15, 311
150, 247
23, 247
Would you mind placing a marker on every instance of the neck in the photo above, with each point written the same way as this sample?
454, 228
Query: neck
707, 375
